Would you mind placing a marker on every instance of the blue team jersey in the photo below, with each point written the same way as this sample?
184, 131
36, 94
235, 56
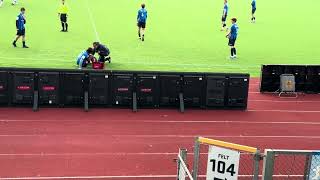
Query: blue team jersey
234, 31
20, 22
225, 9
142, 15
81, 59
253, 4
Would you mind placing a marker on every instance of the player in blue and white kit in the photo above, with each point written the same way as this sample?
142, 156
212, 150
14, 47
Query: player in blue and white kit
142, 20
21, 31
84, 58
232, 36
224, 15
254, 8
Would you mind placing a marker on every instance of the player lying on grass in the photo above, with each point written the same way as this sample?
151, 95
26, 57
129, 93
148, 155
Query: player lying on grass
21, 31
224, 15
103, 52
86, 57
142, 20
253, 10
232, 36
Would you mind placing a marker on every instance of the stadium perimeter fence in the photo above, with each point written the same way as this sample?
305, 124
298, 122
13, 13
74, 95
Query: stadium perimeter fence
248, 166
277, 164
291, 164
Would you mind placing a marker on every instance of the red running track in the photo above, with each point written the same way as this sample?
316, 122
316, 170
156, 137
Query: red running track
119, 144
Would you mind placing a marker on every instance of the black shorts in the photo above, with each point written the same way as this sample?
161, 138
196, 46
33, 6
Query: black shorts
232, 42
21, 32
63, 17
224, 18
141, 24
253, 11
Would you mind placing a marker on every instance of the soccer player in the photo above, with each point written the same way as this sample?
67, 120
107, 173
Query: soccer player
254, 8
224, 15
84, 58
1, 2
232, 36
63, 14
21, 31
103, 51
142, 20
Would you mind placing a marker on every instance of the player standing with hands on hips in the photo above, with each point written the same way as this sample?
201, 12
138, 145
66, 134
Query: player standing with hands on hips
63, 14
21, 31
142, 20
232, 36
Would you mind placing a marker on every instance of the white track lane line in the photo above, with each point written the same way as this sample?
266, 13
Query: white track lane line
91, 154
240, 122
120, 177
282, 111
169, 121
163, 136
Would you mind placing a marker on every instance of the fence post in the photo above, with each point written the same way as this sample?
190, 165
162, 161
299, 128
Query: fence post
257, 158
307, 167
196, 158
183, 154
268, 164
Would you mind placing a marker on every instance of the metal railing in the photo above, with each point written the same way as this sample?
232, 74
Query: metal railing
291, 164
277, 164
183, 172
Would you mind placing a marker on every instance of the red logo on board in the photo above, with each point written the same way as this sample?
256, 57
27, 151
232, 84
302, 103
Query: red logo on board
48, 88
145, 90
23, 88
123, 89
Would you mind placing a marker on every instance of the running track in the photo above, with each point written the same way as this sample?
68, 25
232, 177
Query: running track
119, 144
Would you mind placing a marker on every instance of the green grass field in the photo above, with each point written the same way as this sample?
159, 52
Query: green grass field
182, 35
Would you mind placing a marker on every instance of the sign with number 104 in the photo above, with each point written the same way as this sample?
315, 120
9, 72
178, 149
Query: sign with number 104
223, 164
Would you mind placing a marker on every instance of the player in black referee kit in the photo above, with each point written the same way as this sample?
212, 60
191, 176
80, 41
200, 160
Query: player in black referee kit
63, 13
21, 31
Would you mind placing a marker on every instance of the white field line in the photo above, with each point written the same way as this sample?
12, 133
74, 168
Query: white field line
120, 177
92, 21
153, 63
